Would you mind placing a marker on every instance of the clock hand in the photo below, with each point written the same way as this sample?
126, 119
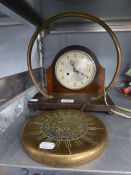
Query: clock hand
75, 70
84, 74
72, 63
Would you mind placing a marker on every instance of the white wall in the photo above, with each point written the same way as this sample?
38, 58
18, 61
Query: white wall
14, 42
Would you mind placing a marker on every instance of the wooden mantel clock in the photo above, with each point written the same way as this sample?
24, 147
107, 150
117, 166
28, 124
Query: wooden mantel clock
68, 135
75, 79
75, 69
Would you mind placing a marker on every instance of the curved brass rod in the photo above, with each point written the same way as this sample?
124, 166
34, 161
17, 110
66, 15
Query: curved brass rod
81, 15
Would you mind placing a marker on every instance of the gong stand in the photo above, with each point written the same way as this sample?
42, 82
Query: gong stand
64, 136
86, 99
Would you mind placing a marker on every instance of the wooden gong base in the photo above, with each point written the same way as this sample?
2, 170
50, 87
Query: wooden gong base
81, 101
64, 137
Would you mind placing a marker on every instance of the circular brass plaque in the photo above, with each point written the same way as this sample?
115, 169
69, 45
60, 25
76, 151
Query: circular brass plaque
64, 137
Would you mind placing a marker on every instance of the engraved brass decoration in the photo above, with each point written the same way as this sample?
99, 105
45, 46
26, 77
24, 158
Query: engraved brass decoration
78, 137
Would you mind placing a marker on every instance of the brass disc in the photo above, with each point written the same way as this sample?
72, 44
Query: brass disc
64, 137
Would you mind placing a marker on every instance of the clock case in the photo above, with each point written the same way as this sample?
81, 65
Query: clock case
83, 99
96, 86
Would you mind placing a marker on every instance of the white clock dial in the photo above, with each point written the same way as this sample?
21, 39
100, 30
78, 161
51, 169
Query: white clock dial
75, 69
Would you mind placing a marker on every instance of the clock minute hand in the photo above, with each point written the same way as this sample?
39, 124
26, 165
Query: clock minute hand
84, 74
75, 70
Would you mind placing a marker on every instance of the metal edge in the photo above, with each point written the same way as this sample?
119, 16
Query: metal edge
115, 25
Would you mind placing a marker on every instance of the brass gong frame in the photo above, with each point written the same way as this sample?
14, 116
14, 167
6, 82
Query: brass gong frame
81, 15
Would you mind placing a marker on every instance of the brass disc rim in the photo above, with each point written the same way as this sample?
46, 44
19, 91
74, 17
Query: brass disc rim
74, 14
61, 157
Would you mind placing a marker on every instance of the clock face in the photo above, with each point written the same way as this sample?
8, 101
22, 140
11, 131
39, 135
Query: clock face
75, 69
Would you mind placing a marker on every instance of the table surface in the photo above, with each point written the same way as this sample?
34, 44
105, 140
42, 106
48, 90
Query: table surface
115, 159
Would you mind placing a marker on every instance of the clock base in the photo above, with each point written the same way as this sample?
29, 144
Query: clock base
83, 102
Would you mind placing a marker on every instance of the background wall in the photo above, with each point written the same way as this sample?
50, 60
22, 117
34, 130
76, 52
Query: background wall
14, 76
14, 42
109, 9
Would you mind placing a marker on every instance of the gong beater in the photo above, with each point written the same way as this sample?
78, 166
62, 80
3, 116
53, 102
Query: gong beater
64, 137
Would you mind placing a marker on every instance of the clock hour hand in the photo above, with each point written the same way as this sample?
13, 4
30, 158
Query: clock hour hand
72, 63
75, 70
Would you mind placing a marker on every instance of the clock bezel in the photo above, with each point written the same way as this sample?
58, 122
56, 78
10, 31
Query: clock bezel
76, 48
